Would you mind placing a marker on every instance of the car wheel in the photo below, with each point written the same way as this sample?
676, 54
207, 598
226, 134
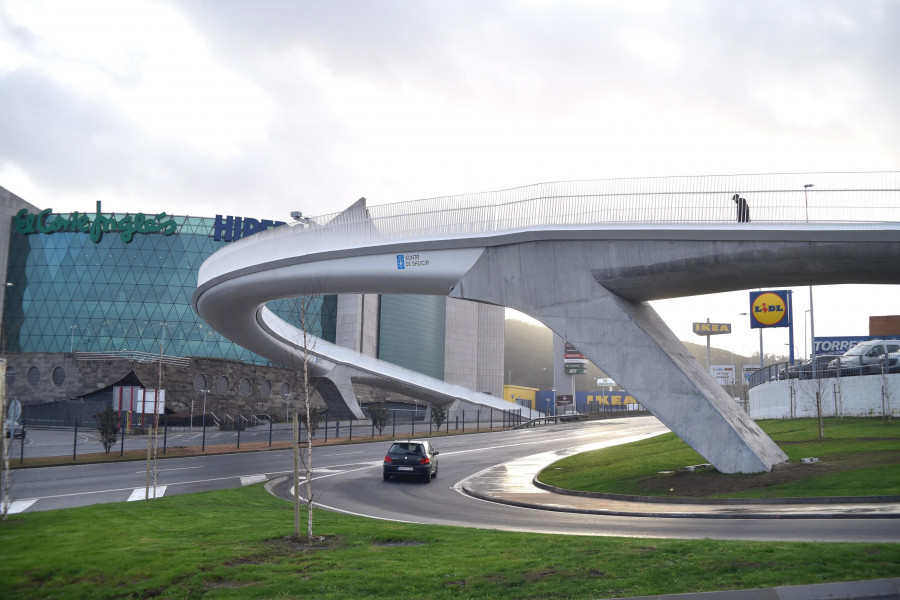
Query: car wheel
434, 475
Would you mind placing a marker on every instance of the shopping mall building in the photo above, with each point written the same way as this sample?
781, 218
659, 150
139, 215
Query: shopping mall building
97, 301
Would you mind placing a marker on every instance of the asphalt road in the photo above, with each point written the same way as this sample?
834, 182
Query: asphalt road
348, 478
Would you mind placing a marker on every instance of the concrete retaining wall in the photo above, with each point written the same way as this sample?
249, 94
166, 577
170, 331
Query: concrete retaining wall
856, 396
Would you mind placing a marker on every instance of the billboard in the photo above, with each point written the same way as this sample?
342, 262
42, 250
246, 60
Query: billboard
723, 374
839, 344
770, 309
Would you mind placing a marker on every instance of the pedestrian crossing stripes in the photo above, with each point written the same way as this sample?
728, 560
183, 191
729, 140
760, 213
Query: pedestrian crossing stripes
251, 479
141, 493
18, 506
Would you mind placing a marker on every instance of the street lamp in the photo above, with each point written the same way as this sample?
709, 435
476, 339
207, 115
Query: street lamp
2, 321
806, 187
805, 312
203, 444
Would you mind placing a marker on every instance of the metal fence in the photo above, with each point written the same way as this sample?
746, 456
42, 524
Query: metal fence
837, 367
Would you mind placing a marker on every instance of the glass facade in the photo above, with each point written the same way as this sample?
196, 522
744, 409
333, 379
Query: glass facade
411, 332
72, 294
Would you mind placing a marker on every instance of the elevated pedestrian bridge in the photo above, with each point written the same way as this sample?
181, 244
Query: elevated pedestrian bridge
583, 258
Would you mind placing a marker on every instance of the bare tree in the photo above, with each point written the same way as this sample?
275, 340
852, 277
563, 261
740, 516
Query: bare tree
438, 416
886, 409
108, 427
306, 315
381, 416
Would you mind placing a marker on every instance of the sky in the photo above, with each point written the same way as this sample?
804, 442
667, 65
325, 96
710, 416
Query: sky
213, 106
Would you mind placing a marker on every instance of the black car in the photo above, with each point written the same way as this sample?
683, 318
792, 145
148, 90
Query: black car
411, 458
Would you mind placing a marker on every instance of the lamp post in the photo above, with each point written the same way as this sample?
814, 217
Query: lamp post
806, 187
2, 320
203, 444
805, 355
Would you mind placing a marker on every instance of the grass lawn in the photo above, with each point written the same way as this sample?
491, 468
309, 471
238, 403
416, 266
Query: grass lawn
858, 456
236, 544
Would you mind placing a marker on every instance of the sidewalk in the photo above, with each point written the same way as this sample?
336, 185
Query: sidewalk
513, 483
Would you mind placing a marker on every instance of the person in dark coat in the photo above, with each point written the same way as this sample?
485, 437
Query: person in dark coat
743, 211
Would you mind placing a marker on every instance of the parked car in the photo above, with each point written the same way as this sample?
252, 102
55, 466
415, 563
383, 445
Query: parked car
804, 369
411, 458
16, 429
867, 358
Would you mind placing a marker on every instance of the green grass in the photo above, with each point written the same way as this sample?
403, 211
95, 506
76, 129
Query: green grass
857, 457
234, 544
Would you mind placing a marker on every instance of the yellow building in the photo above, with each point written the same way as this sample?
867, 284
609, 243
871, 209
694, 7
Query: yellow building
520, 396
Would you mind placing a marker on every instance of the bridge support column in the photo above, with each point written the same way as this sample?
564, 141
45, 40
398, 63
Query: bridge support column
629, 341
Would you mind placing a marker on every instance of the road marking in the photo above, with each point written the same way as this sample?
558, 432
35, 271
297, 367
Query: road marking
18, 506
251, 479
175, 469
141, 493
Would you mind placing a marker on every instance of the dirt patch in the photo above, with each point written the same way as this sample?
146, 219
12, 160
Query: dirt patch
538, 574
392, 543
703, 483
289, 544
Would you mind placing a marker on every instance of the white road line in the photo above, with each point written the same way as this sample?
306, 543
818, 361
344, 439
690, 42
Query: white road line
251, 479
141, 493
176, 469
17, 506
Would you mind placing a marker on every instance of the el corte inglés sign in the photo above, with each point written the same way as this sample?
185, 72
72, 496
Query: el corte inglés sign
27, 223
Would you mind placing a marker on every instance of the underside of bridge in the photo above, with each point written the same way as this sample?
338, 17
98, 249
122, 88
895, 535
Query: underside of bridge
556, 282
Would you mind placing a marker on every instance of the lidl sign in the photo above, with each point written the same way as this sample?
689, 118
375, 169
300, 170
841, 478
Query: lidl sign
770, 309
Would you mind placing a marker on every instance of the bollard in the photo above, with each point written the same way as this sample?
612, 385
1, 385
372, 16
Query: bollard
457, 422
478, 420
464, 421
271, 426
165, 435
395, 425
75, 440
337, 429
326, 426
123, 431
413, 425
351, 429
203, 443
239, 431
373, 429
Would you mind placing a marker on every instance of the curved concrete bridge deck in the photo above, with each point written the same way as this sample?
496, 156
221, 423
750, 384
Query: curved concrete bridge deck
583, 258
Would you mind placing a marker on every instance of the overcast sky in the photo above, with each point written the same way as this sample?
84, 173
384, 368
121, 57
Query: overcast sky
265, 107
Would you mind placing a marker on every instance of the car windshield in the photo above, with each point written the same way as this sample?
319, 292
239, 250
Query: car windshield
407, 448
857, 350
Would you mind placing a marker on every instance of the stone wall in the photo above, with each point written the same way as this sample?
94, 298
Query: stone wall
234, 387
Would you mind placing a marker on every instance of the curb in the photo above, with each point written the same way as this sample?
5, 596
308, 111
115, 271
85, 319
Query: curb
873, 589
669, 515
715, 501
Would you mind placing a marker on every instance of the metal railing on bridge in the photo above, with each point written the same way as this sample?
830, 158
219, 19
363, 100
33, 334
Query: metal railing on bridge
775, 200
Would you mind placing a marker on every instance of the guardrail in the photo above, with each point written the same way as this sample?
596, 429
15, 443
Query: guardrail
142, 357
